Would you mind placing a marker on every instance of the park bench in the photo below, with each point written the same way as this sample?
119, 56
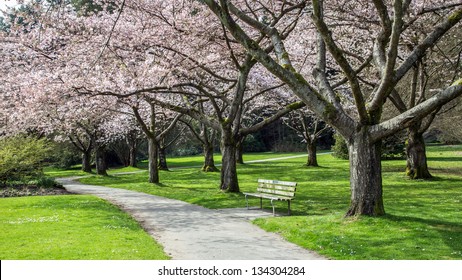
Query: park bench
274, 191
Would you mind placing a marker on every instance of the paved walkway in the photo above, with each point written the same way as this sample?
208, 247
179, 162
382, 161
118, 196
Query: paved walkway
192, 232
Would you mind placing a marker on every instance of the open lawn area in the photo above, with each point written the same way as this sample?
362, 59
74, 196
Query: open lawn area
71, 227
423, 218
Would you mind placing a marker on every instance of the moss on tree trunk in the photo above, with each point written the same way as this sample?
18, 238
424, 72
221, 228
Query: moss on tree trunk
312, 157
209, 162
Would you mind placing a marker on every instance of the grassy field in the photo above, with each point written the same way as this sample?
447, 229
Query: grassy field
71, 227
423, 218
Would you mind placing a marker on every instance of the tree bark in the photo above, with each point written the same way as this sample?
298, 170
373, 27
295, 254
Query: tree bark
312, 157
229, 180
416, 158
152, 158
133, 162
209, 162
100, 158
133, 148
162, 159
86, 161
240, 150
365, 175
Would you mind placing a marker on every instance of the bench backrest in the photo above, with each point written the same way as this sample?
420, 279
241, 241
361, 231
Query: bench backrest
282, 188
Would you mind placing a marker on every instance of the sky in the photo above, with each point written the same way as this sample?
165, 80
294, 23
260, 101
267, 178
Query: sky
7, 3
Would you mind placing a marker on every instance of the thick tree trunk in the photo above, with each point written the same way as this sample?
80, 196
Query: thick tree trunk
312, 157
209, 162
100, 158
416, 166
229, 180
365, 176
86, 161
162, 159
152, 165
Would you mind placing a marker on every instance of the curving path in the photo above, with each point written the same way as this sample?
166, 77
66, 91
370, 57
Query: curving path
192, 232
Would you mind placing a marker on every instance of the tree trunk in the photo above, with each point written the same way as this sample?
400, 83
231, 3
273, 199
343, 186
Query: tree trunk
133, 162
416, 165
162, 159
152, 157
229, 180
365, 176
100, 158
312, 157
132, 144
240, 150
86, 161
209, 162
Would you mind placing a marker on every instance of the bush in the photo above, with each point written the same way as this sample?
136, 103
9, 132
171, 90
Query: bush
186, 151
253, 144
340, 148
21, 157
46, 182
64, 156
393, 147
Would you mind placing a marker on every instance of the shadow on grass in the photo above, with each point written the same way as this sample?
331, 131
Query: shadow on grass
451, 233
446, 159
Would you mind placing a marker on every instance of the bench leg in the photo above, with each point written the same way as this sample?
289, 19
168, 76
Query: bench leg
247, 202
261, 203
288, 206
273, 208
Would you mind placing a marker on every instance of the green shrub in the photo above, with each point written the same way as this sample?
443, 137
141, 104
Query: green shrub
46, 182
393, 147
64, 156
185, 151
21, 158
252, 144
340, 148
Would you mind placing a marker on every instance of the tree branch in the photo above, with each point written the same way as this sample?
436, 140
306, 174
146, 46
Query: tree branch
341, 61
414, 114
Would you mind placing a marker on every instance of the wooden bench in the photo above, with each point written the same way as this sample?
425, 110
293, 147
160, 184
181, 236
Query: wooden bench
273, 190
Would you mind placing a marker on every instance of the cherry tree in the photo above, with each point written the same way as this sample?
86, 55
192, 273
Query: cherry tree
309, 128
39, 100
352, 37
159, 67
206, 136
441, 65
132, 136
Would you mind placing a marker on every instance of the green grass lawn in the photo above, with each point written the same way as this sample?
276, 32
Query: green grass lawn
58, 172
71, 227
423, 218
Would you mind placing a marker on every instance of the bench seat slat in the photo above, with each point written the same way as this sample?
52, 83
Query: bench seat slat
282, 188
270, 196
276, 192
275, 182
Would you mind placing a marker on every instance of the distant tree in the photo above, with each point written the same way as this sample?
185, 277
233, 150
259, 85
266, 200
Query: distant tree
206, 136
309, 128
442, 65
